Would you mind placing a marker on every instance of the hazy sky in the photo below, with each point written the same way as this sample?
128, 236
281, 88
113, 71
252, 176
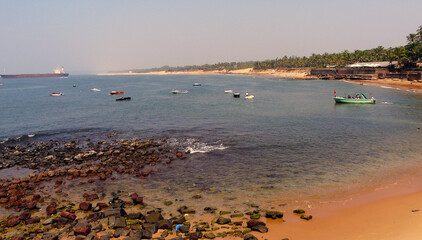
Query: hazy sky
101, 35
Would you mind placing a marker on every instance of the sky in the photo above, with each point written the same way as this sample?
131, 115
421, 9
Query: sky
93, 36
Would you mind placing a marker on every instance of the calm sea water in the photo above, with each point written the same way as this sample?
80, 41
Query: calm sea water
292, 141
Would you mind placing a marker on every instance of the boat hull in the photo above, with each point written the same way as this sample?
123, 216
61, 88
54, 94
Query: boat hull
354, 101
41, 75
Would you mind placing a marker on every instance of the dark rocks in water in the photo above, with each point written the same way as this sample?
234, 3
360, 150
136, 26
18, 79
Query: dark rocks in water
82, 230
274, 214
224, 212
250, 237
255, 216
90, 197
252, 223
236, 215
222, 220
306, 217
85, 206
153, 217
260, 228
12, 222
299, 211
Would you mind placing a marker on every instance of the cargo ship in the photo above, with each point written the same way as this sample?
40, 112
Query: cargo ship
58, 72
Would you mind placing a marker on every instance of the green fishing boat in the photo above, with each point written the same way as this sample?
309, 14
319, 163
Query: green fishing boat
357, 98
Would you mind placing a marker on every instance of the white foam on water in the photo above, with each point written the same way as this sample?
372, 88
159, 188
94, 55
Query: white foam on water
385, 87
195, 146
386, 103
31, 135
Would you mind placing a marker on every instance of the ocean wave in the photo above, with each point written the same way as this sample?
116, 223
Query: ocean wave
193, 145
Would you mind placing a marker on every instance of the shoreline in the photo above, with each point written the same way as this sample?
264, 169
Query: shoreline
294, 74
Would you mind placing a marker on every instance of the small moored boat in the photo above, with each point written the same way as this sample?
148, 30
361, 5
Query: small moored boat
197, 84
236, 94
247, 96
116, 93
124, 99
356, 98
228, 91
95, 90
54, 94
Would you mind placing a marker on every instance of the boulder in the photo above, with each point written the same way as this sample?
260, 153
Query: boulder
82, 230
260, 228
252, 223
153, 217
85, 206
222, 220
274, 214
164, 224
12, 222
250, 237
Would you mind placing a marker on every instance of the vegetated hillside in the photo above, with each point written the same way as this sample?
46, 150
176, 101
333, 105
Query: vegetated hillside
406, 56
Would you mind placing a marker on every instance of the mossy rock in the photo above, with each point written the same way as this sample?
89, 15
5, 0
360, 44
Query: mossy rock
215, 228
210, 209
306, 217
247, 230
234, 227
224, 212
235, 215
209, 235
168, 203
222, 220
255, 216
238, 223
299, 211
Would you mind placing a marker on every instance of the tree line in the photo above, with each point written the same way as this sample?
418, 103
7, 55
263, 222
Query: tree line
406, 56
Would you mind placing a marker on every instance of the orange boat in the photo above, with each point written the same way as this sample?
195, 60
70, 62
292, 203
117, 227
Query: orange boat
116, 93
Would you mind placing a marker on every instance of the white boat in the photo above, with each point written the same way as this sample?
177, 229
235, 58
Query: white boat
56, 94
197, 84
95, 90
179, 92
228, 91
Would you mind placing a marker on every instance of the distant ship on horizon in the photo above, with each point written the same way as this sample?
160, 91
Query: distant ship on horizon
58, 72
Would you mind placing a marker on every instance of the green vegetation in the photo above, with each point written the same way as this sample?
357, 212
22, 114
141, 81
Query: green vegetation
405, 55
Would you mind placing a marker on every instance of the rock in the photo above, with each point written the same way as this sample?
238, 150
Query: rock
168, 203
236, 215
185, 210
306, 217
255, 216
68, 215
224, 212
102, 205
274, 214
260, 228
47, 221
136, 199
250, 237
178, 220
299, 211
164, 224
24, 216
82, 230
91, 236
106, 237
210, 209
51, 209
33, 220
209, 235
85, 206
146, 234
119, 222
222, 220
252, 223
114, 212
12, 222
152, 227
153, 217
97, 227
184, 229
137, 215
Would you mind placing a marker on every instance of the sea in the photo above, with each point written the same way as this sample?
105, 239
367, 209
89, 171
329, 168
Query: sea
291, 144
